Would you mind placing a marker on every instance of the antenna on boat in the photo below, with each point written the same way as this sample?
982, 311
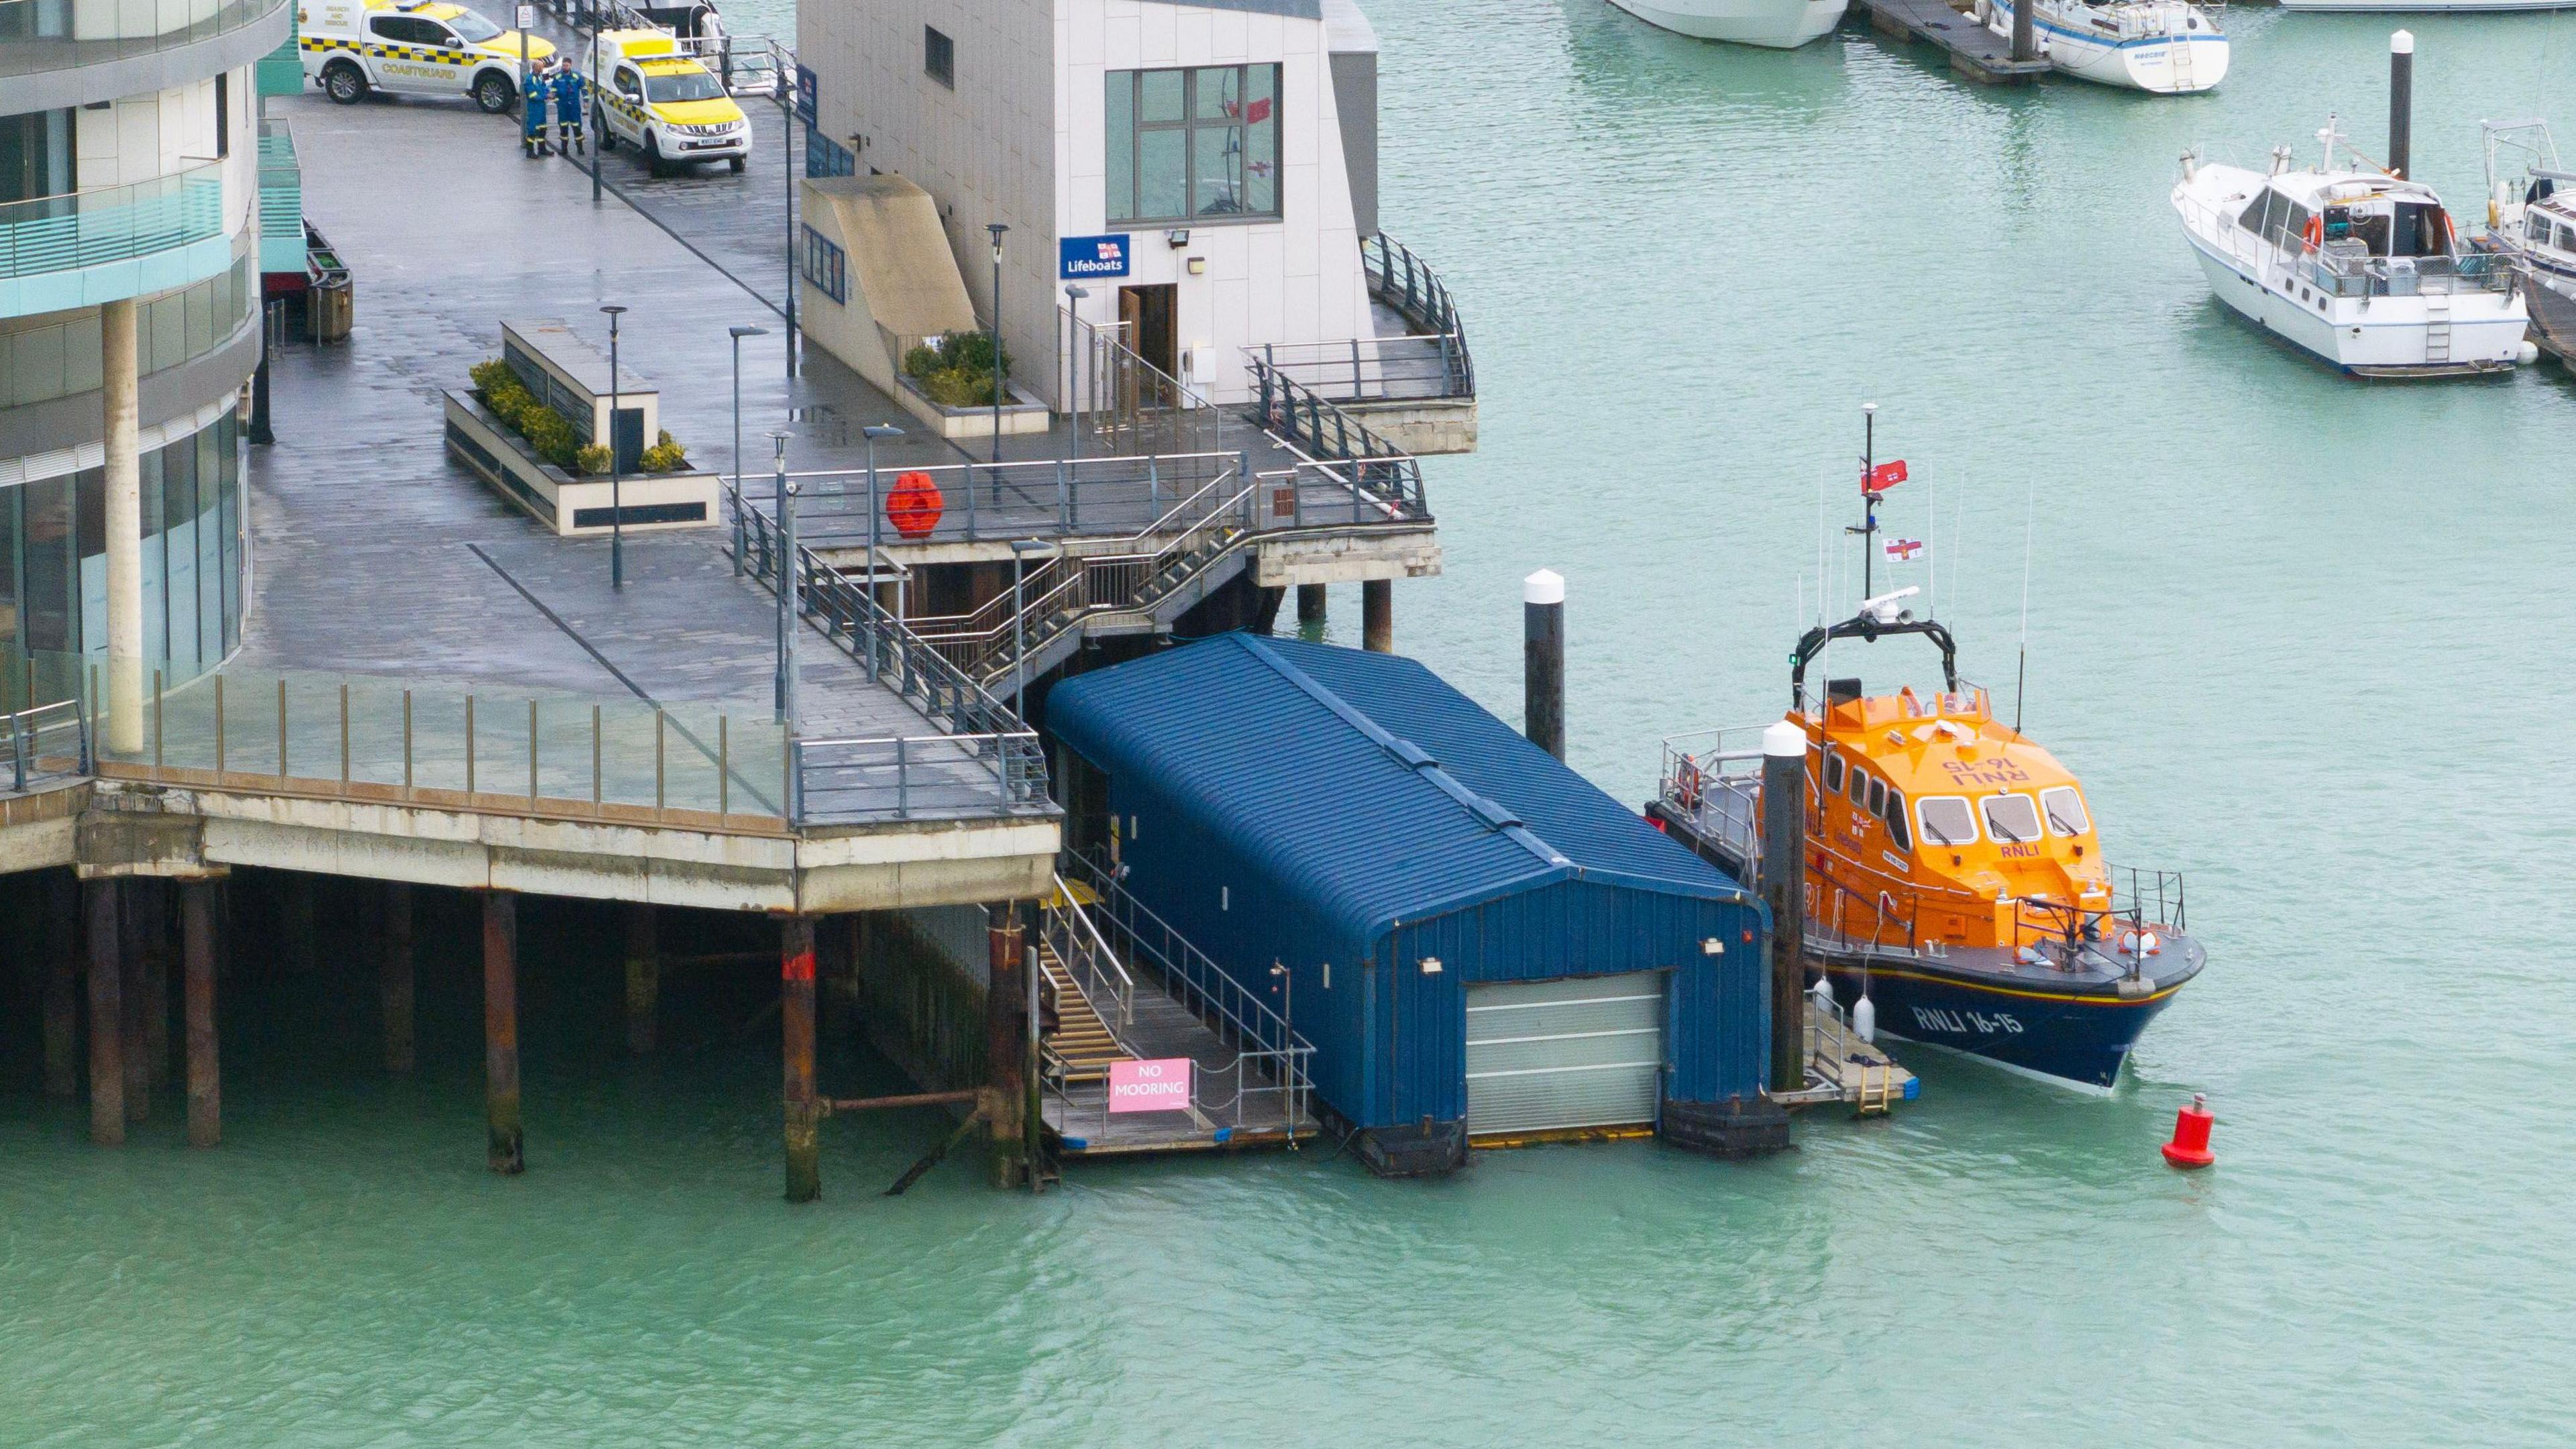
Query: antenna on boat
1869, 501
2021, 670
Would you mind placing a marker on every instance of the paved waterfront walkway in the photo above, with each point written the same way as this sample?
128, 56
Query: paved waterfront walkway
375, 555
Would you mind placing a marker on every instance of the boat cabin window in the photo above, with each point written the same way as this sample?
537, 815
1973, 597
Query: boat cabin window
2402, 228
2065, 810
1856, 785
1947, 820
1895, 818
1877, 799
2012, 819
1833, 772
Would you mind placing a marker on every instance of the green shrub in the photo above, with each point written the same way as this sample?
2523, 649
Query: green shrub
663, 458
956, 370
593, 460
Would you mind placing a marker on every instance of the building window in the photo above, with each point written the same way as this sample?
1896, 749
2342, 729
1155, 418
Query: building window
36, 154
939, 57
826, 266
1198, 145
827, 157
223, 116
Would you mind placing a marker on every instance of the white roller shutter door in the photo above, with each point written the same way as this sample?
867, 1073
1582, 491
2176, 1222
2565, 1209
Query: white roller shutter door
1587, 1051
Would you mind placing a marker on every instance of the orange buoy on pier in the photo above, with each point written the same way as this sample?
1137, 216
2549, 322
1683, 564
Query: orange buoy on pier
914, 505
2190, 1144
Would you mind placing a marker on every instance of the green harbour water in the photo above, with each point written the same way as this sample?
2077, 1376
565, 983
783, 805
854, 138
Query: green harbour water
2298, 634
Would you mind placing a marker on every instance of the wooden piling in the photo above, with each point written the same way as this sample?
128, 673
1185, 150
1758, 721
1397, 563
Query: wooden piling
152, 928
501, 1031
796, 1020
133, 991
1377, 616
1005, 1045
1784, 888
106, 1017
1312, 602
197, 952
643, 979
396, 982
62, 984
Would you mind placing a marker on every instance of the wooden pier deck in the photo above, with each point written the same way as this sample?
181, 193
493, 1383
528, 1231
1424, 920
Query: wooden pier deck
1843, 1068
2553, 321
1974, 51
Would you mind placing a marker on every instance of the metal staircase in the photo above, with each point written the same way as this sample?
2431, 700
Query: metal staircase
1134, 585
1086, 995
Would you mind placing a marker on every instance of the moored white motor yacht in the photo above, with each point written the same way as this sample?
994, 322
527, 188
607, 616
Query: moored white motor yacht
1776, 24
2532, 216
2170, 47
2364, 269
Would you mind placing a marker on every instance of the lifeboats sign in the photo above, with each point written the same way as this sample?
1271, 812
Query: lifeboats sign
1091, 256
1157, 1086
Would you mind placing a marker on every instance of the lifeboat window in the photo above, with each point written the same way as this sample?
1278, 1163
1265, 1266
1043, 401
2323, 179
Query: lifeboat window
2012, 819
2065, 810
1833, 772
1896, 821
1877, 798
1947, 820
1857, 787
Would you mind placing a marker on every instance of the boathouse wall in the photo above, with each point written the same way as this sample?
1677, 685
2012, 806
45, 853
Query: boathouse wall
1349, 818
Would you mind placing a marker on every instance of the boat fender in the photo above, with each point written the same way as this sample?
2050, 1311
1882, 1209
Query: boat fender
1865, 1019
2527, 353
2134, 943
1823, 995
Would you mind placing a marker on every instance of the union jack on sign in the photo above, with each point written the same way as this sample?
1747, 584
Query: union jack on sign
1903, 550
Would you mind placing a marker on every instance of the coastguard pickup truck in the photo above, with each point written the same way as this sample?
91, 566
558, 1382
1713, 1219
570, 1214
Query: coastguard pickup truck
657, 99
411, 47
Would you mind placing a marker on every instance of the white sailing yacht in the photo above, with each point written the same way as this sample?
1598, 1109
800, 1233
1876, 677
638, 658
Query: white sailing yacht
1776, 24
2170, 47
2364, 269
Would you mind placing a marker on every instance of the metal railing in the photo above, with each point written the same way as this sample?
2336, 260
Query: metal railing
985, 761
1122, 403
1262, 1038
1317, 427
1404, 282
1367, 369
1094, 969
46, 35
419, 742
1042, 498
47, 742
2342, 269
111, 224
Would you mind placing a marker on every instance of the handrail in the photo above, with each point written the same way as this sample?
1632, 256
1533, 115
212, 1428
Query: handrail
1083, 936
1406, 283
25, 731
956, 625
1193, 971
31, 50
113, 223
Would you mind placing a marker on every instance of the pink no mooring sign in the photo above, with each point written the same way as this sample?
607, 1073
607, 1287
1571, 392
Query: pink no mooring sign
1156, 1086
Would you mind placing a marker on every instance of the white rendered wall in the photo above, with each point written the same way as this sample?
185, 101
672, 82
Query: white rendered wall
1021, 140
138, 138
1293, 280
984, 151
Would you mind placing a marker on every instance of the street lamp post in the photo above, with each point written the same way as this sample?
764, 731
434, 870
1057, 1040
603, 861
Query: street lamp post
595, 108
872, 432
1074, 292
999, 377
784, 578
1020, 552
616, 465
737, 334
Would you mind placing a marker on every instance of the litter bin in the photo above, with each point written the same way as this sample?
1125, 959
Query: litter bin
328, 297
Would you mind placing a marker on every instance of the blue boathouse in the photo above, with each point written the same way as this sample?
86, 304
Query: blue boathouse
1477, 940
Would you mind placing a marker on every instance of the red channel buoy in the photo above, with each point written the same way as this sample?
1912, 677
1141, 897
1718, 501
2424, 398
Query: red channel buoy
2190, 1144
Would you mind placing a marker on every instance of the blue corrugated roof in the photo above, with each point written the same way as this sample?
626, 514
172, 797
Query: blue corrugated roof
1382, 791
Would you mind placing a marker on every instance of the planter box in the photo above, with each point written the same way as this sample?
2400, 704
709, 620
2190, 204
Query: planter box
573, 507
1022, 414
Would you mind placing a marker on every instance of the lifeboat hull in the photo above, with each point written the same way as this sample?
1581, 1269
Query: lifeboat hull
2072, 1035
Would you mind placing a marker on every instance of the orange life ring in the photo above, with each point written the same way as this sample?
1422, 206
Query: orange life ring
1686, 784
914, 506
2316, 231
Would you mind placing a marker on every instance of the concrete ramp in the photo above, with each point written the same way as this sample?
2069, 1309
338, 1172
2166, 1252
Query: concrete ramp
900, 280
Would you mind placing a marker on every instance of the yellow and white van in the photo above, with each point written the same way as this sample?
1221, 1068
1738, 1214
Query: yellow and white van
411, 47
655, 98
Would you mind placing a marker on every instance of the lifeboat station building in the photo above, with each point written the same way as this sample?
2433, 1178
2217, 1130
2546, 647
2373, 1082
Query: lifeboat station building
1477, 942
1189, 197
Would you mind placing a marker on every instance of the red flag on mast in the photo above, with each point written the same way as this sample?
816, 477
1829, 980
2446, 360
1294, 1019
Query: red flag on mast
1883, 477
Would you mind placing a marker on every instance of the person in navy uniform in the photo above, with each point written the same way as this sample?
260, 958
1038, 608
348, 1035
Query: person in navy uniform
532, 116
567, 89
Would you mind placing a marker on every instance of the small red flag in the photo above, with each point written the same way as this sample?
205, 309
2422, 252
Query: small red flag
1884, 477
